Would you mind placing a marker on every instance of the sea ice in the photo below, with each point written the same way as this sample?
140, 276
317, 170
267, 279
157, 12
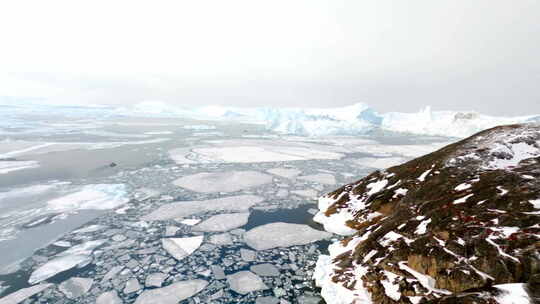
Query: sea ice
380, 162
321, 178
223, 222
155, 279
284, 172
132, 285
221, 239
282, 235
109, 297
98, 196
244, 282
76, 287
309, 193
230, 181
9, 166
23, 294
173, 293
79, 255
265, 270
180, 248
182, 209
190, 222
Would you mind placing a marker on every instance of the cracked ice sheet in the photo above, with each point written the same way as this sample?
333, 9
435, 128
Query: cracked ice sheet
230, 181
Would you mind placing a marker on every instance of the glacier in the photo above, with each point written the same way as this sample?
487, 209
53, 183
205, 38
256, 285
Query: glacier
355, 119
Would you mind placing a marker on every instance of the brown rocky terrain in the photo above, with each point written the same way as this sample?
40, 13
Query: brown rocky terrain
460, 225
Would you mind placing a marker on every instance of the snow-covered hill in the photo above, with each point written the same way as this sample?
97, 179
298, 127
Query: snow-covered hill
460, 225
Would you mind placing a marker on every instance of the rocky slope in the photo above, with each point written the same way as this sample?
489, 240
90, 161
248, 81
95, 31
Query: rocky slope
460, 225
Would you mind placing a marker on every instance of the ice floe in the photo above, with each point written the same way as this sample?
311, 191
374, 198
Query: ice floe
79, 255
109, 297
180, 248
75, 287
23, 294
183, 209
244, 282
230, 181
282, 235
284, 172
321, 178
223, 222
173, 293
97, 196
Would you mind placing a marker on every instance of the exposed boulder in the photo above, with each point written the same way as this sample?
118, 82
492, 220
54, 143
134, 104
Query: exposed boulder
459, 225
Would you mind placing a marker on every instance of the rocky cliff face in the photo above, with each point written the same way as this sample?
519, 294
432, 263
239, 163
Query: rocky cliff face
460, 225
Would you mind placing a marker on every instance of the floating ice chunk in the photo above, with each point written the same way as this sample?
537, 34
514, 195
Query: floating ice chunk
221, 239
132, 285
223, 181
282, 235
309, 193
244, 282
284, 172
62, 244
265, 270
173, 293
88, 229
23, 294
155, 279
513, 293
321, 178
109, 297
182, 209
180, 248
190, 222
223, 222
98, 196
380, 162
112, 273
79, 255
9, 166
76, 287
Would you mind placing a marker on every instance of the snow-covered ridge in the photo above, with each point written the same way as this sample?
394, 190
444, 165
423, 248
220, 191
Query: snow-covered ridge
453, 224
355, 119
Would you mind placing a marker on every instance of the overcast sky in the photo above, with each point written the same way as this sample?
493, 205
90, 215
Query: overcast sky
481, 55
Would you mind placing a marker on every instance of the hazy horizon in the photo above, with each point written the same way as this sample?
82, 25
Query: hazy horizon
394, 56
